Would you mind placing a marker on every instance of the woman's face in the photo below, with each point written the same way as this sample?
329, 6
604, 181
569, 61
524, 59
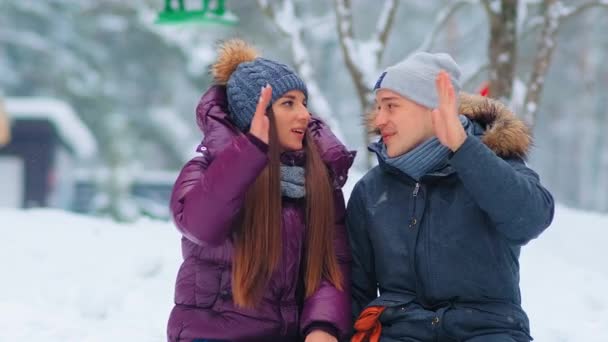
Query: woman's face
291, 118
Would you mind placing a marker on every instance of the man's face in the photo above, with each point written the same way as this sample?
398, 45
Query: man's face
402, 123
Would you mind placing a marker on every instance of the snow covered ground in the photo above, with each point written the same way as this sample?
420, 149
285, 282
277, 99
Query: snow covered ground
564, 279
75, 278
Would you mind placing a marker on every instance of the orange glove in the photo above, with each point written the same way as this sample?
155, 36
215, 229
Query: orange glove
368, 326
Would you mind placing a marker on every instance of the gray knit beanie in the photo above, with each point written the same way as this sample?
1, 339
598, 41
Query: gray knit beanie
244, 74
414, 77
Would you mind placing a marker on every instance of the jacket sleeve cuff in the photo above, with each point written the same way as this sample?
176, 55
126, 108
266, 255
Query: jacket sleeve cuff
257, 142
323, 326
467, 154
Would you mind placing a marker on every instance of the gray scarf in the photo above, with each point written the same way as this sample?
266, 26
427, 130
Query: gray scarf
293, 181
425, 158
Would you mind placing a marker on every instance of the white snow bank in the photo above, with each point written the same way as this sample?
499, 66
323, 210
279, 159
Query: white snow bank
75, 278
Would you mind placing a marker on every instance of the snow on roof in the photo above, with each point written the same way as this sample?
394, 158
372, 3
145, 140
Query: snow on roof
68, 125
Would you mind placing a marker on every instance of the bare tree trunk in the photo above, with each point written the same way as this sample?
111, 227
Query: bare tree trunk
345, 33
502, 49
598, 162
352, 53
602, 183
543, 59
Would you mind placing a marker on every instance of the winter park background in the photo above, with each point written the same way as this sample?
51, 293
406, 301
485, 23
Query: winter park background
97, 116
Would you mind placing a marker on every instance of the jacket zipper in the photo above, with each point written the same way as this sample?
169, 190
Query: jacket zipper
413, 220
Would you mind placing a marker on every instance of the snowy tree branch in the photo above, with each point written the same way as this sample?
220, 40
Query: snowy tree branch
555, 13
542, 59
488, 7
79, 68
502, 47
531, 26
385, 23
440, 21
344, 25
345, 33
362, 58
289, 24
537, 22
570, 12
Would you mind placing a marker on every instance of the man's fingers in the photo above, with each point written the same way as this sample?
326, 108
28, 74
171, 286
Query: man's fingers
446, 86
442, 86
435, 117
441, 91
438, 86
449, 88
446, 93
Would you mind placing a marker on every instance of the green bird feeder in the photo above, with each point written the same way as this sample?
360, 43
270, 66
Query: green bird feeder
205, 15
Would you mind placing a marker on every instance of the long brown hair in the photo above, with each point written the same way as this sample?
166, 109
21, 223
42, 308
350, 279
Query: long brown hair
257, 238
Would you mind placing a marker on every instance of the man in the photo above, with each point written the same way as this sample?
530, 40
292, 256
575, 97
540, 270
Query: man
436, 228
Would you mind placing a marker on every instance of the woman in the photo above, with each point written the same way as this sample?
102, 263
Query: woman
265, 249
